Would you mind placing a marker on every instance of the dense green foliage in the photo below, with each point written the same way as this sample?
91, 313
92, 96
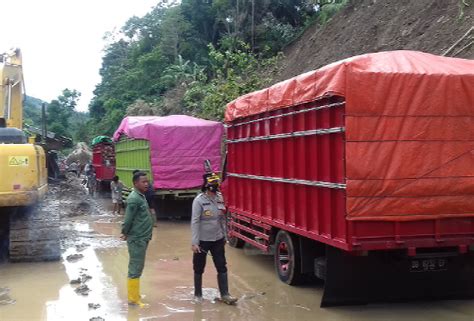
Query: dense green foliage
62, 118
61, 110
194, 56
32, 111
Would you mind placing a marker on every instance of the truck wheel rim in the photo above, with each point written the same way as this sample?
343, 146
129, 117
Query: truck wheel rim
283, 257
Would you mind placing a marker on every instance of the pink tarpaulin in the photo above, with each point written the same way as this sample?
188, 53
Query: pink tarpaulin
179, 145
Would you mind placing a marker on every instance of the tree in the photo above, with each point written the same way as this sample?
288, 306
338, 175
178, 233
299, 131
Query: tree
193, 56
202, 15
32, 111
60, 111
174, 33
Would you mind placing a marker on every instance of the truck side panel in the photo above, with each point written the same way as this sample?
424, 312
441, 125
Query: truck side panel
103, 159
286, 168
132, 154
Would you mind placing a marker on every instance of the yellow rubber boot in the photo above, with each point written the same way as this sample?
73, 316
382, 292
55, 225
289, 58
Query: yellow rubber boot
134, 292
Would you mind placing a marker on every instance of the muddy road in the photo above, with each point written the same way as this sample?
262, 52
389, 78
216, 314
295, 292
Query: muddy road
89, 283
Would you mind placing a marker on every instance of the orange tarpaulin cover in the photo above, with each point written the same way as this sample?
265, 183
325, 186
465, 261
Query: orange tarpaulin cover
409, 130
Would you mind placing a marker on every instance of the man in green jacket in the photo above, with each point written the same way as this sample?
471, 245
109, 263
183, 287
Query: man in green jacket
137, 230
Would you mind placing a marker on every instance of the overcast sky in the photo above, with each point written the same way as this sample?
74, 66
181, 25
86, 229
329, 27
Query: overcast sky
62, 40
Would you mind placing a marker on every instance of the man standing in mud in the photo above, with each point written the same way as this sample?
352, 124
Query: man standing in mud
137, 230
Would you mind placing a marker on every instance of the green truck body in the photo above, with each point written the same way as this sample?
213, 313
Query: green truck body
133, 154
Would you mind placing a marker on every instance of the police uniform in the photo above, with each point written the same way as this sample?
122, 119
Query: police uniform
208, 220
208, 226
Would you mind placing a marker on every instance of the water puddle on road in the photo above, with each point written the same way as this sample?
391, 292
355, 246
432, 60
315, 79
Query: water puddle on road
93, 293
5, 298
89, 283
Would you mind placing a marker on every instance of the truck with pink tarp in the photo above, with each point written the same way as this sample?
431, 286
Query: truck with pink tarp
172, 151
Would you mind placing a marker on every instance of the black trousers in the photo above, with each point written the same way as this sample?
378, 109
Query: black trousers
217, 250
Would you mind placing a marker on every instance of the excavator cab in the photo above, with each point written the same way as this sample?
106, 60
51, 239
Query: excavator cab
12, 136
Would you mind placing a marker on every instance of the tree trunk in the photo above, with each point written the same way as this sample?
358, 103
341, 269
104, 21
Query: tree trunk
253, 26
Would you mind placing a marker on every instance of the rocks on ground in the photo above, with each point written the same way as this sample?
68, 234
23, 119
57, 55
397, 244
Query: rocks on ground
81, 247
74, 257
75, 281
83, 289
94, 306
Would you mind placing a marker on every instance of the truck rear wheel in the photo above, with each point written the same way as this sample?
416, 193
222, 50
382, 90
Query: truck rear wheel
287, 258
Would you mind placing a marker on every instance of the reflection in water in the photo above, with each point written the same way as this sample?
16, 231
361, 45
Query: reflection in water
31, 285
82, 227
102, 291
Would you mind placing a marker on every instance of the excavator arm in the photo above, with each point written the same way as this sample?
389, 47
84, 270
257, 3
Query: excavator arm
11, 89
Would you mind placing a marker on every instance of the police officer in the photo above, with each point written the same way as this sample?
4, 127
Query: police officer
208, 227
137, 230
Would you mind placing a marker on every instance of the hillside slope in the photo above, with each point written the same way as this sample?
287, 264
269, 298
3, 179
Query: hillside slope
379, 25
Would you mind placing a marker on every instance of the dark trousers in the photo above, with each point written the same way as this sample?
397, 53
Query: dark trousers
217, 250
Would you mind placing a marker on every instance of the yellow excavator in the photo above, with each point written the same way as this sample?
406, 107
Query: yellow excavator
25, 229
22, 166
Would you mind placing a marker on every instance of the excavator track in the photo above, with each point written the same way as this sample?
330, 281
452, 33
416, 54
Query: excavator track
34, 233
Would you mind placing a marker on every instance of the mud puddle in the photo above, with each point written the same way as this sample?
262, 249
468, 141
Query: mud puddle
92, 286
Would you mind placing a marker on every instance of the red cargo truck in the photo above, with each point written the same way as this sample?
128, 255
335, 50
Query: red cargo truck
103, 160
360, 173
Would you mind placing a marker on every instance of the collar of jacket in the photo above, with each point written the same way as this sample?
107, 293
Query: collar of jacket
138, 192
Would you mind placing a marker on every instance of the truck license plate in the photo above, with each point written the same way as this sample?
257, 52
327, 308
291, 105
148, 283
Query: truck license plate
428, 265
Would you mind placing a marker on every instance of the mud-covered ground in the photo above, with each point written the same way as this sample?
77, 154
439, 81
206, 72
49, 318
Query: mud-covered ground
89, 283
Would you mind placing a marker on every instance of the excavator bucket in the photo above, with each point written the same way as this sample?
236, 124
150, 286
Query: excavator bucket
393, 276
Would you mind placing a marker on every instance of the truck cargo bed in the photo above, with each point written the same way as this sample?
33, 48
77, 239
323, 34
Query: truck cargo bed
360, 171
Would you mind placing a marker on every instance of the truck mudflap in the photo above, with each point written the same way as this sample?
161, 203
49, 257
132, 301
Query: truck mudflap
391, 276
